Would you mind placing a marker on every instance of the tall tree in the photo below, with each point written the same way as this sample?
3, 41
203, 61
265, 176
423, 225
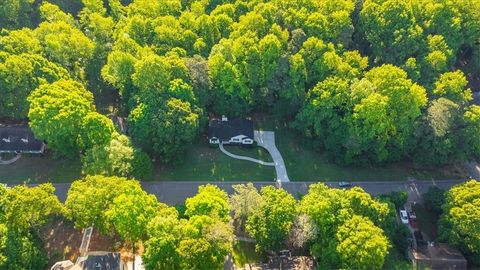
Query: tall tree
271, 223
29, 208
90, 198
244, 202
459, 223
210, 201
20, 75
391, 29
56, 114
361, 244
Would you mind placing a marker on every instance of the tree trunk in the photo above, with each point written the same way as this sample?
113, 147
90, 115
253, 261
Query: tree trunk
133, 247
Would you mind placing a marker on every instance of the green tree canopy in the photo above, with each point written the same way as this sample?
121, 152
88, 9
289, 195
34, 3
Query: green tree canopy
20, 75
56, 114
90, 198
131, 211
270, 224
459, 224
210, 201
27, 208
361, 244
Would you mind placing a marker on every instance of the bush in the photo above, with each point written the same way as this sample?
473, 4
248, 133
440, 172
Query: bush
141, 165
399, 238
434, 199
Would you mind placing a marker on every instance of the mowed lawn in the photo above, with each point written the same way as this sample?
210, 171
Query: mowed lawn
40, 169
205, 163
306, 164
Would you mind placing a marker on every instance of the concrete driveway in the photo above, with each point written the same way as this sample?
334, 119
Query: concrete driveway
266, 139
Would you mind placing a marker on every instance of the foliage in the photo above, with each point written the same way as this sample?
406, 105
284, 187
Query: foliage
116, 158
210, 201
329, 209
452, 85
399, 238
399, 199
90, 198
434, 199
200, 242
166, 128
244, 202
460, 217
270, 224
27, 208
97, 129
131, 211
361, 244
20, 74
14, 13
368, 120
22, 251
56, 114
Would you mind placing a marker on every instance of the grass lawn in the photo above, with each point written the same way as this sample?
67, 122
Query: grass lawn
40, 169
305, 164
427, 221
205, 163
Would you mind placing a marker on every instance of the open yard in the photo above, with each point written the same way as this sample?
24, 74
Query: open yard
39, 169
205, 163
305, 164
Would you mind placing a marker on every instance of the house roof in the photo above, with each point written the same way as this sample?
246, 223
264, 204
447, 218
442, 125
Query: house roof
102, 261
439, 256
19, 139
63, 265
225, 130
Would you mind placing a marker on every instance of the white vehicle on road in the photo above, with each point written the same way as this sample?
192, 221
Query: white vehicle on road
404, 216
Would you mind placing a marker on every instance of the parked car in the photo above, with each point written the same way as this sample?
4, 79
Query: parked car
404, 216
413, 219
344, 184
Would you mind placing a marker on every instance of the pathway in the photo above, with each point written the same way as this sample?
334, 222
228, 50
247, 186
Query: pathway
10, 161
266, 139
245, 158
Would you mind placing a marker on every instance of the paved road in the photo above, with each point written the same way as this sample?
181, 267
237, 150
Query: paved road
266, 139
176, 192
244, 157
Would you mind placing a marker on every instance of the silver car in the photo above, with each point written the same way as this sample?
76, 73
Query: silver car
404, 216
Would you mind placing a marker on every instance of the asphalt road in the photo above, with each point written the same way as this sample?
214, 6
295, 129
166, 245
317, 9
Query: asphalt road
176, 192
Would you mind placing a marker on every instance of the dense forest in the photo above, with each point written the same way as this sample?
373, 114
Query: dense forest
368, 81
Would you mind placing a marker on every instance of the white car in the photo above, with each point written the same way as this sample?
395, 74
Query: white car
404, 216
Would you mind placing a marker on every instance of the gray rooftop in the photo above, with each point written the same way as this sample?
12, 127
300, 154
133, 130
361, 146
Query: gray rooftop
19, 139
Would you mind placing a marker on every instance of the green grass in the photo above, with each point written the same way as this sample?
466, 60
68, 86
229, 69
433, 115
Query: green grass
306, 164
205, 163
427, 221
244, 253
39, 169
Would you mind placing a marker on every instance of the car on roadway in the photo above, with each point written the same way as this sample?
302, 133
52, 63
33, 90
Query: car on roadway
403, 216
344, 184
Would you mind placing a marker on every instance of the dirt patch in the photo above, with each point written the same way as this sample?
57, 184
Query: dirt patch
62, 242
